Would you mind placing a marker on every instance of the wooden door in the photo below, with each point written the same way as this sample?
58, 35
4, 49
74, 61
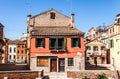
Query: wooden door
53, 65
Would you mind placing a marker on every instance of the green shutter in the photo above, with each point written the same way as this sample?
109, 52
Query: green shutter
65, 43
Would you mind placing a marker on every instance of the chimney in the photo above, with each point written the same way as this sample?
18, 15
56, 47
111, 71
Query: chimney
28, 23
73, 20
117, 20
28, 17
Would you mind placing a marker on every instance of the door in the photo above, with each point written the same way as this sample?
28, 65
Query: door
61, 65
53, 65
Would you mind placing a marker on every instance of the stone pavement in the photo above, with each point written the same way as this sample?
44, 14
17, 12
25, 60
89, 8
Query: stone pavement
98, 67
55, 75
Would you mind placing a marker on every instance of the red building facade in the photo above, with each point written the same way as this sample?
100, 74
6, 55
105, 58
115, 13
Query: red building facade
56, 45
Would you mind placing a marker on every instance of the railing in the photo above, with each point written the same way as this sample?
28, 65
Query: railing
92, 52
57, 48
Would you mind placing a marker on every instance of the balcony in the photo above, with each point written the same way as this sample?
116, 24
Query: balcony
96, 53
57, 49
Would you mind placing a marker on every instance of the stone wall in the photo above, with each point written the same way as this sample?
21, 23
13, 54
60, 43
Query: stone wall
91, 74
20, 74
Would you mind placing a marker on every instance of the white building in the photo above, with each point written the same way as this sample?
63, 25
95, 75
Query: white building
12, 52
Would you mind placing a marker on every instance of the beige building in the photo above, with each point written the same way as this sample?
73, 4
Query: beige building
114, 37
98, 43
95, 51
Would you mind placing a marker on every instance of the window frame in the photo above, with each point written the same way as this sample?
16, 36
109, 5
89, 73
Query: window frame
56, 45
22, 51
94, 48
42, 43
111, 43
52, 15
73, 42
42, 61
102, 47
70, 61
14, 49
10, 49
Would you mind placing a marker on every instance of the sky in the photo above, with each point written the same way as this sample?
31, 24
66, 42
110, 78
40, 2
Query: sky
88, 13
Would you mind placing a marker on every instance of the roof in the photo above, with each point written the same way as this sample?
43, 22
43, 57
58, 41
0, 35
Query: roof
48, 11
95, 42
92, 28
1, 25
15, 42
118, 15
56, 30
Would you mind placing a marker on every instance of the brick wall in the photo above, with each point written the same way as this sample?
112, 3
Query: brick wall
21, 74
90, 74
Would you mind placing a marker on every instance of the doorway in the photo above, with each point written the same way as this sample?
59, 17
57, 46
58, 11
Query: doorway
53, 65
61, 65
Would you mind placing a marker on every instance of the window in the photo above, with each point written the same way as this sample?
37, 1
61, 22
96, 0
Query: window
9, 56
95, 48
41, 61
110, 30
52, 15
22, 46
102, 47
75, 42
17, 57
18, 51
22, 51
57, 43
111, 44
88, 58
18, 46
88, 48
40, 42
113, 29
70, 62
118, 20
21, 57
14, 56
10, 49
14, 50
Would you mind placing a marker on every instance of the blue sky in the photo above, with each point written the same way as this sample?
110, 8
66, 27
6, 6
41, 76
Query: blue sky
88, 13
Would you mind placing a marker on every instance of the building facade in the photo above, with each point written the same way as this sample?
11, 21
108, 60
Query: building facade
2, 45
100, 35
95, 52
56, 45
16, 51
12, 51
21, 52
114, 38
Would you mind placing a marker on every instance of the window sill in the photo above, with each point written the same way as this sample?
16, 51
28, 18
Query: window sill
75, 47
40, 47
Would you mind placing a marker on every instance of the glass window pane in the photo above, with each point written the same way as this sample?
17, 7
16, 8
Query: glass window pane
75, 42
40, 42
70, 62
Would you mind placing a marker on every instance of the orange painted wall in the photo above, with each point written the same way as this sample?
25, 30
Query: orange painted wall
20, 48
70, 53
